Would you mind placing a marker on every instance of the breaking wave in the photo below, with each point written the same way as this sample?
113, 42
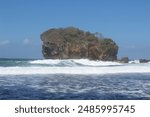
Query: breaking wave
73, 62
72, 66
135, 61
73, 70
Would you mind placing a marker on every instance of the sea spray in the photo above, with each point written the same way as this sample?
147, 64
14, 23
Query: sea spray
70, 66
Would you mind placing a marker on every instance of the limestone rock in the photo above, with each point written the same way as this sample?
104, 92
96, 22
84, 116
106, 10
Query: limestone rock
124, 60
73, 43
144, 61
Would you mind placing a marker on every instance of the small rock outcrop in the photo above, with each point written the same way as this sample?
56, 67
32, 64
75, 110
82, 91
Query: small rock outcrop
73, 43
124, 60
144, 61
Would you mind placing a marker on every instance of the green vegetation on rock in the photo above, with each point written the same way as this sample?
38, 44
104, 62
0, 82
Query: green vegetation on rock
73, 43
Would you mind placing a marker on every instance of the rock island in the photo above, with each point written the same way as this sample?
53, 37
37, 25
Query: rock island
73, 43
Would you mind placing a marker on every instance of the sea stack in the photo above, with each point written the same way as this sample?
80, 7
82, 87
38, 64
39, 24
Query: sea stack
73, 43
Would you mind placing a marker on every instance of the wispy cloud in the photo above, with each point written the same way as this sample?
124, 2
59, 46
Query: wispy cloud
130, 47
4, 42
30, 42
26, 41
133, 46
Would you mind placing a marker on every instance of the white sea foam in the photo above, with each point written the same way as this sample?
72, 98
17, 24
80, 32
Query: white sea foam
74, 62
135, 61
95, 63
47, 61
75, 70
74, 66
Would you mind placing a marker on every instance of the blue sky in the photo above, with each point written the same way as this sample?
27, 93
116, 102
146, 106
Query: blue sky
127, 22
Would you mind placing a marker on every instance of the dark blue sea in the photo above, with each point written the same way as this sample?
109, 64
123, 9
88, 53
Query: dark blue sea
73, 80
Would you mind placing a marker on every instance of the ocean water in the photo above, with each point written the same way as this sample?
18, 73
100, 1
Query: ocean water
73, 79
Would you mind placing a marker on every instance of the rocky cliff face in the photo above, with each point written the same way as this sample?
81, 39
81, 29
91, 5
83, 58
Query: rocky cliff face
72, 43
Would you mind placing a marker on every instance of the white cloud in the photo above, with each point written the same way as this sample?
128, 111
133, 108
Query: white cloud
26, 41
4, 42
133, 47
130, 47
30, 42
